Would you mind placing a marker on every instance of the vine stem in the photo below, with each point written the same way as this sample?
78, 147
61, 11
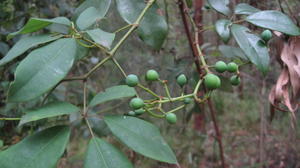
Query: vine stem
10, 119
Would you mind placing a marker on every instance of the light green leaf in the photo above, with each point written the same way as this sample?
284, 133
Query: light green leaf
24, 44
141, 136
274, 20
245, 9
42, 69
220, 6
49, 110
112, 93
101, 37
40, 150
35, 24
231, 52
253, 47
222, 28
104, 155
153, 28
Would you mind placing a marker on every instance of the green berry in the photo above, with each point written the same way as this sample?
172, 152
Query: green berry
181, 80
220, 66
266, 35
235, 80
132, 80
139, 111
131, 113
152, 75
232, 67
171, 118
212, 81
136, 103
187, 100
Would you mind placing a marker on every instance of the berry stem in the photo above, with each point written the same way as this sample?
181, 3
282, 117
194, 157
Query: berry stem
176, 109
10, 119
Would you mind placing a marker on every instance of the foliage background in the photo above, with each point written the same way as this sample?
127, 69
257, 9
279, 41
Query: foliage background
243, 112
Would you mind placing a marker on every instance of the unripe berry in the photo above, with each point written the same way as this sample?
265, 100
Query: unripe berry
181, 80
132, 80
136, 103
152, 75
171, 118
232, 67
187, 100
131, 113
266, 35
212, 81
235, 80
220, 66
139, 111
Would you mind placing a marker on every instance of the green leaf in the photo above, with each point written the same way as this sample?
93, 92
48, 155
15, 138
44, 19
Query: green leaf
81, 51
141, 136
274, 20
104, 155
101, 37
220, 6
40, 150
153, 28
35, 24
245, 9
222, 28
49, 110
42, 69
100, 5
1, 143
24, 44
98, 125
231, 52
112, 93
253, 47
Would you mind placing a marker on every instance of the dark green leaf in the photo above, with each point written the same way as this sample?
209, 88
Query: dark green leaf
40, 150
35, 24
253, 47
42, 69
24, 44
104, 155
49, 110
81, 51
231, 52
101, 37
274, 20
112, 93
220, 6
101, 5
222, 28
141, 136
245, 9
98, 125
153, 28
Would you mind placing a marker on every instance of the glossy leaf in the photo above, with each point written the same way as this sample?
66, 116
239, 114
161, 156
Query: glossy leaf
24, 44
245, 9
42, 69
101, 37
232, 52
112, 93
35, 24
141, 136
222, 28
220, 6
153, 28
104, 155
40, 150
274, 20
253, 47
49, 110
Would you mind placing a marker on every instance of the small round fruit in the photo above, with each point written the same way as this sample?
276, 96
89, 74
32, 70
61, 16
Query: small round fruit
187, 100
232, 67
139, 111
220, 66
171, 118
136, 103
131, 113
266, 35
212, 81
132, 80
235, 80
181, 80
152, 75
